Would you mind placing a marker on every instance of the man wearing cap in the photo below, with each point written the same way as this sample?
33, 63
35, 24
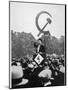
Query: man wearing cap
45, 75
17, 76
40, 49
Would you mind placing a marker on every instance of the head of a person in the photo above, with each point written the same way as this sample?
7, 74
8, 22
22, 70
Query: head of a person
46, 65
14, 64
35, 44
18, 64
39, 41
60, 65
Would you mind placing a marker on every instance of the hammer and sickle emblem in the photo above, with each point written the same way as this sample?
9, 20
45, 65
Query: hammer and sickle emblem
48, 22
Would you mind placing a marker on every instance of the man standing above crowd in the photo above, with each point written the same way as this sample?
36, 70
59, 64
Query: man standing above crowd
41, 49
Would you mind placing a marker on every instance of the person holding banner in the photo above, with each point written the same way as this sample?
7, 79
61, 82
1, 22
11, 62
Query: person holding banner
40, 55
41, 50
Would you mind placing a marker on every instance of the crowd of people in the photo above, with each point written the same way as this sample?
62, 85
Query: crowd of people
27, 73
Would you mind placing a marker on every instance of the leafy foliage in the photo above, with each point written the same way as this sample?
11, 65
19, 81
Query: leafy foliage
22, 44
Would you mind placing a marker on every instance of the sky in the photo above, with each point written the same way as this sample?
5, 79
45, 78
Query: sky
23, 16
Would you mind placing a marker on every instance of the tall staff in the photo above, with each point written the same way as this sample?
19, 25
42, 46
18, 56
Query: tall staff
46, 33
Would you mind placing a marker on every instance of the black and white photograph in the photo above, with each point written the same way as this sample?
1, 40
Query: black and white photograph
37, 44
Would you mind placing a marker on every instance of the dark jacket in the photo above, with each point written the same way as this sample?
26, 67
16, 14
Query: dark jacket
42, 49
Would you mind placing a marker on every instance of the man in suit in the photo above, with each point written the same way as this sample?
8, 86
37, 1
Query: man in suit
41, 47
41, 50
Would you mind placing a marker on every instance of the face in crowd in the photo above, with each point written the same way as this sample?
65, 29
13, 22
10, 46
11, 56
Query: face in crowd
39, 42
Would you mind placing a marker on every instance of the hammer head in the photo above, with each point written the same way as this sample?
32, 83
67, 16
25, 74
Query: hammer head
49, 20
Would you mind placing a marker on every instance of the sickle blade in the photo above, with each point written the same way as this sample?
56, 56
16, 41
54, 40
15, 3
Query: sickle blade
37, 17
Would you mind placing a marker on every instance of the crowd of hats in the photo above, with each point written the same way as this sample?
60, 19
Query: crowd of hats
25, 73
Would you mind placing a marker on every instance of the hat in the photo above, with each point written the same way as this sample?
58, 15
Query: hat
40, 39
17, 76
23, 82
30, 65
45, 63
